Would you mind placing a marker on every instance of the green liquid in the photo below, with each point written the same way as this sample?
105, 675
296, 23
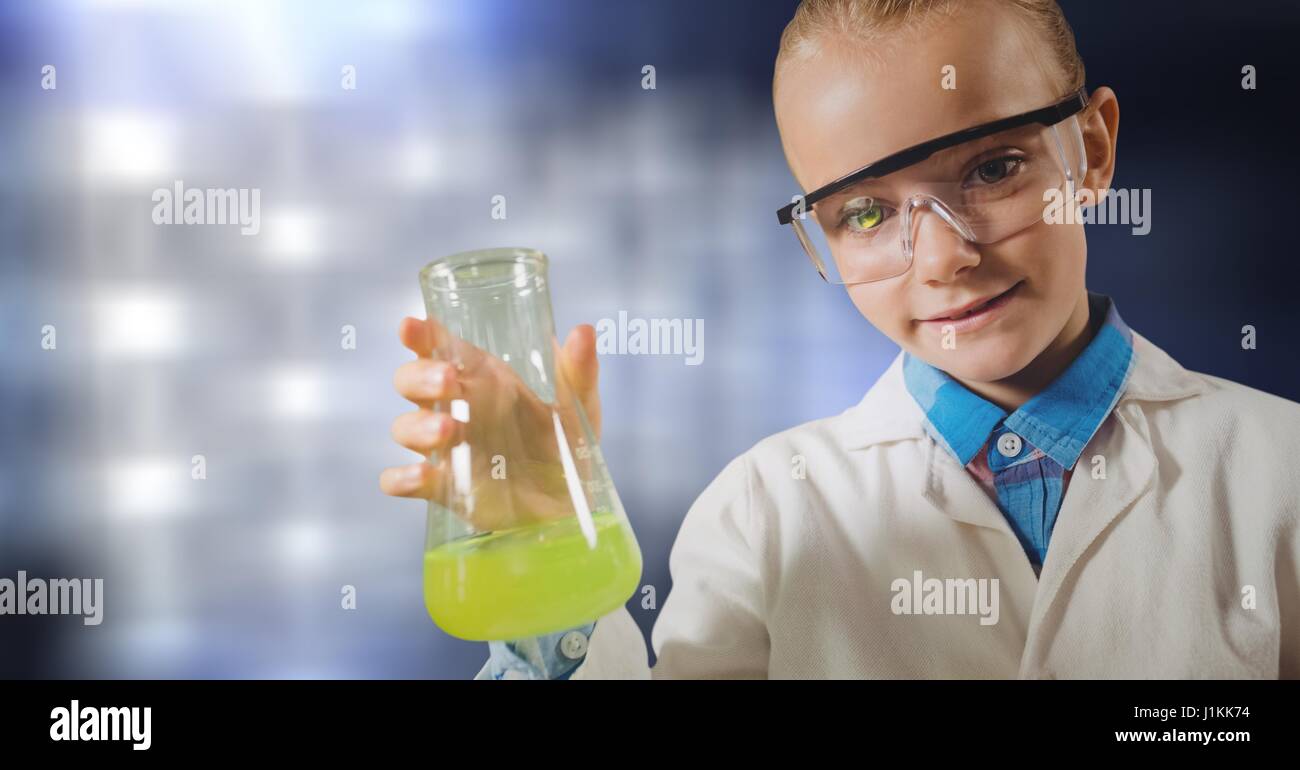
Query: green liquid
531, 580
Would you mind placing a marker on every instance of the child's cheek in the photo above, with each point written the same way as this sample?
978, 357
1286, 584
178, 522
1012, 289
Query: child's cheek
885, 308
1054, 258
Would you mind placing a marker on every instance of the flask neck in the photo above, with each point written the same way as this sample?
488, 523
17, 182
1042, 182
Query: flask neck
499, 301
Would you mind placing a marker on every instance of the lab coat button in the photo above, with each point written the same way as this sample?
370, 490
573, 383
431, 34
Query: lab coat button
573, 645
1009, 445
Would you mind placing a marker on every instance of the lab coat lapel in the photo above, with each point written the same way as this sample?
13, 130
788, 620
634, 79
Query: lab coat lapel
1093, 504
950, 488
889, 413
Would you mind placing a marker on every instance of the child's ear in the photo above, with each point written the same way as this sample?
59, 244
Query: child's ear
1100, 125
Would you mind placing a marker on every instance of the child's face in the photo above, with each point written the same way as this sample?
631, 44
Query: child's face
842, 110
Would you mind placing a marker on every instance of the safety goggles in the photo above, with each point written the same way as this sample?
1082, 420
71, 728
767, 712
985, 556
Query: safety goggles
986, 182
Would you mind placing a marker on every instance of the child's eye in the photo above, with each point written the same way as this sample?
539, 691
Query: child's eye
864, 218
995, 170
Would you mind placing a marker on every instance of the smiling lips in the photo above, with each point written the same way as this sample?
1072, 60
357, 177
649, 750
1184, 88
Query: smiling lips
956, 314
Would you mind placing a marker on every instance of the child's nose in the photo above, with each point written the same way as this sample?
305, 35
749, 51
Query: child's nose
939, 252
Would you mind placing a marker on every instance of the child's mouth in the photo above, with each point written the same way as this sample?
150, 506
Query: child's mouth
978, 316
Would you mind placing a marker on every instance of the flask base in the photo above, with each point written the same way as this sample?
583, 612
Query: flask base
532, 580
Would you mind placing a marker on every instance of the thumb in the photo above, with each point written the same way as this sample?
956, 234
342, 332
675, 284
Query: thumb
581, 369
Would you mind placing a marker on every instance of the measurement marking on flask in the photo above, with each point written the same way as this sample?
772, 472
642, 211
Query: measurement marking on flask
575, 483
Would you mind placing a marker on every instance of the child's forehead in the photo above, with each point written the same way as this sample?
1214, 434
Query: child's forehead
847, 107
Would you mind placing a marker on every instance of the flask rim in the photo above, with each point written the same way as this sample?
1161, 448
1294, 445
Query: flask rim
435, 274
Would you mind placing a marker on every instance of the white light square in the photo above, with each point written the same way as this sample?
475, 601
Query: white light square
137, 322
147, 487
125, 146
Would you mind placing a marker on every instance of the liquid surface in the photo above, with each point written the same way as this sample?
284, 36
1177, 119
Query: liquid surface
531, 580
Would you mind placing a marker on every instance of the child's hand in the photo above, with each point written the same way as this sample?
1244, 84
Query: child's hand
509, 427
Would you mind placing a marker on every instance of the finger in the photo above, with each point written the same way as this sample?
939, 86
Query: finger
425, 381
428, 338
416, 335
417, 480
582, 369
580, 365
424, 431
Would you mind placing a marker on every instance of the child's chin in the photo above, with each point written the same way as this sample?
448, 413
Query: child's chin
987, 364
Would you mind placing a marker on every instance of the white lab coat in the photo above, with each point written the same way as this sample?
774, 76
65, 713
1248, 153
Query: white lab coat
1182, 562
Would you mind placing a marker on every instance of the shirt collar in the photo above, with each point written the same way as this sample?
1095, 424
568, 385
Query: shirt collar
1060, 420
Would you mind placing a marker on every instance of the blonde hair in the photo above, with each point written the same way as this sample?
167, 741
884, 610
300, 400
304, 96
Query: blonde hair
872, 20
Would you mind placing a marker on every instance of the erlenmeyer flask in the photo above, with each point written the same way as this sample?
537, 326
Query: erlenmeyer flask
526, 534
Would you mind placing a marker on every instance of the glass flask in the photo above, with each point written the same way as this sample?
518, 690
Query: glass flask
526, 533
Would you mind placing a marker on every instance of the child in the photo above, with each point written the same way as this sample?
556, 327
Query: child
1031, 489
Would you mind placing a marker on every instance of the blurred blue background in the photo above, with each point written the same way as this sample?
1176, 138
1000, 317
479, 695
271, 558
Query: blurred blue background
177, 341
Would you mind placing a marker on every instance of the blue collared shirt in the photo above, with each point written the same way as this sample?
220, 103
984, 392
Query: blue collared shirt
1029, 450
550, 656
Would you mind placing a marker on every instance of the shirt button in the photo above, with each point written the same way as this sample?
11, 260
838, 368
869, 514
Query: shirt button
573, 645
1009, 445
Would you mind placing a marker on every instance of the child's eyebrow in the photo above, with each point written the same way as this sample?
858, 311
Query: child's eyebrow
946, 159
865, 188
